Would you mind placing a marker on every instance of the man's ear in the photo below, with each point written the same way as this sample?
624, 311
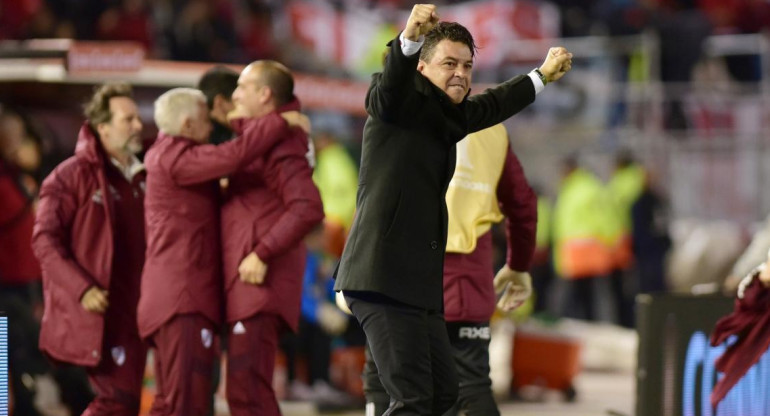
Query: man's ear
186, 126
101, 129
266, 95
421, 65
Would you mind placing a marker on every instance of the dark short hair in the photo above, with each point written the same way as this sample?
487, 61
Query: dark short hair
219, 80
452, 31
97, 109
278, 77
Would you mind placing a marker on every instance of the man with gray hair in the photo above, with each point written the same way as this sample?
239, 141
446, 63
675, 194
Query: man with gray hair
181, 300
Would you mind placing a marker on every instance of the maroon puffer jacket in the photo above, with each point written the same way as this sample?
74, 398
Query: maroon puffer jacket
270, 206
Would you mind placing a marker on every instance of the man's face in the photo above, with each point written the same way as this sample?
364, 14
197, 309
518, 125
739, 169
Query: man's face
122, 135
450, 68
222, 106
199, 124
251, 95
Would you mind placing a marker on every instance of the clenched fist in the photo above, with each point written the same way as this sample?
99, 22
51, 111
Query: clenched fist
95, 300
252, 270
421, 21
556, 64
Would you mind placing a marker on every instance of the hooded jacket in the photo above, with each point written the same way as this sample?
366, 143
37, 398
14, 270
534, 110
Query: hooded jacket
73, 240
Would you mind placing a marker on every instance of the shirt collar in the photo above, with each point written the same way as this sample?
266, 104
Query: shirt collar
134, 167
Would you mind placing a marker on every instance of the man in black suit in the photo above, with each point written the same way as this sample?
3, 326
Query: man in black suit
391, 270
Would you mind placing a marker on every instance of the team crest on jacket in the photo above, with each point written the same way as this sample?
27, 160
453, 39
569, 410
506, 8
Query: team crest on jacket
239, 328
97, 196
207, 337
118, 355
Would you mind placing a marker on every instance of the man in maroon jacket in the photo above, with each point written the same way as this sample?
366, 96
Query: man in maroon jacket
272, 203
485, 162
181, 300
89, 238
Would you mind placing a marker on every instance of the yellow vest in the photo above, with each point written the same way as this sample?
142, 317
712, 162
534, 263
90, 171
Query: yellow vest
472, 194
581, 227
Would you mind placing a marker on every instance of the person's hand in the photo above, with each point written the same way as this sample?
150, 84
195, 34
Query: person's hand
556, 64
339, 299
297, 119
730, 285
252, 270
332, 321
516, 285
421, 21
95, 300
238, 112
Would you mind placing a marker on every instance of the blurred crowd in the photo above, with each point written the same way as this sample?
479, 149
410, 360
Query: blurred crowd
245, 30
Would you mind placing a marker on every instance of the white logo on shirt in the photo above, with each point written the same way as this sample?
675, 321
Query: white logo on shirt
472, 332
239, 328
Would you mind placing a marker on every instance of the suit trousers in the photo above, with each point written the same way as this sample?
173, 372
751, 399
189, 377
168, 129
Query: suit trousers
411, 351
470, 347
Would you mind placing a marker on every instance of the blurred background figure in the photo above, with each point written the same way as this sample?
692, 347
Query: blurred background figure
218, 85
650, 218
581, 254
22, 166
625, 186
336, 176
542, 264
322, 325
19, 270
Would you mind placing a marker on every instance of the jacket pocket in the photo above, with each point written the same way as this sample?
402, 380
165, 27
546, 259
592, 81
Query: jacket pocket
393, 220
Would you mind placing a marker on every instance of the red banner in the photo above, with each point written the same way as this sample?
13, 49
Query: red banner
355, 38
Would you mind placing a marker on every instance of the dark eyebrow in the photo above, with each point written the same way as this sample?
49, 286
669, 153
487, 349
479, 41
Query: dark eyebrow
456, 60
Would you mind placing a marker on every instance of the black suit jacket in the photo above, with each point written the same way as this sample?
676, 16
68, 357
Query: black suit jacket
397, 241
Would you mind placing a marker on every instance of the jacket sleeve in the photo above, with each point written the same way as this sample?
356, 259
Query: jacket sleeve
519, 205
390, 87
201, 163
304, 210
497, 104
53, 224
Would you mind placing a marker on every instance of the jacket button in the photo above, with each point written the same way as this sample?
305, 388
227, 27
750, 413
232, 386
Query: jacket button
95, 353
434, 244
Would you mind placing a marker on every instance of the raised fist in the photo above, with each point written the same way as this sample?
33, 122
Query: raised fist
421, 21
556, 64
